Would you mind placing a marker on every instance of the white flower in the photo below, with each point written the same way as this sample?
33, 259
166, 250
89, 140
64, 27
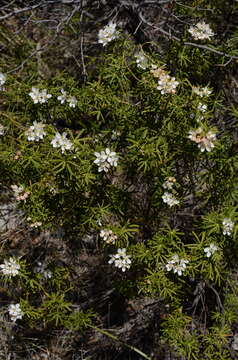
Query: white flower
167, 84
210, 250
169, 199
35, 95
10, 267
19, 192
108, 33
3, 78
169, 183
42, 269
204, 140
105, 159
108, 236
201, 91
2, 130
121, 260
202, 107
99, 222
72, 101
199, 118
35, 132
36, 224
234, 344
170, 264
47, 274
228, 225
201, 31
141, 60
62, 98
115, 134
39, 96
45, 96
60, 141
177, 265
15, 312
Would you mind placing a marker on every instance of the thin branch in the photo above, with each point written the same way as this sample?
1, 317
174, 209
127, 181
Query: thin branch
210, 49
217, 296
19, 11
9, 4
186, 43
33, 54
194, 8
164, 32
110, 335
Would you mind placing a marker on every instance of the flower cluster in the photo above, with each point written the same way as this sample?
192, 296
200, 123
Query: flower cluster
228, 225
121, 260
107, 34
169, 183
105, 159
38, 96
177, 265
67, 98
35, 132
15, 312
115, 134
35, 224
157, 72
210, 250
108, 236
60, 141
201, 91
42, 269
141, 61
201, 31
2, 80
19, 192
10, 267
169, 199
203, 139
167, 84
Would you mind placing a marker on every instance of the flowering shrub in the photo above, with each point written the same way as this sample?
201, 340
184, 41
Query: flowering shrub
134, 167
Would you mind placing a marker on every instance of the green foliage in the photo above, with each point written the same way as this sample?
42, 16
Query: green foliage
120, 108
